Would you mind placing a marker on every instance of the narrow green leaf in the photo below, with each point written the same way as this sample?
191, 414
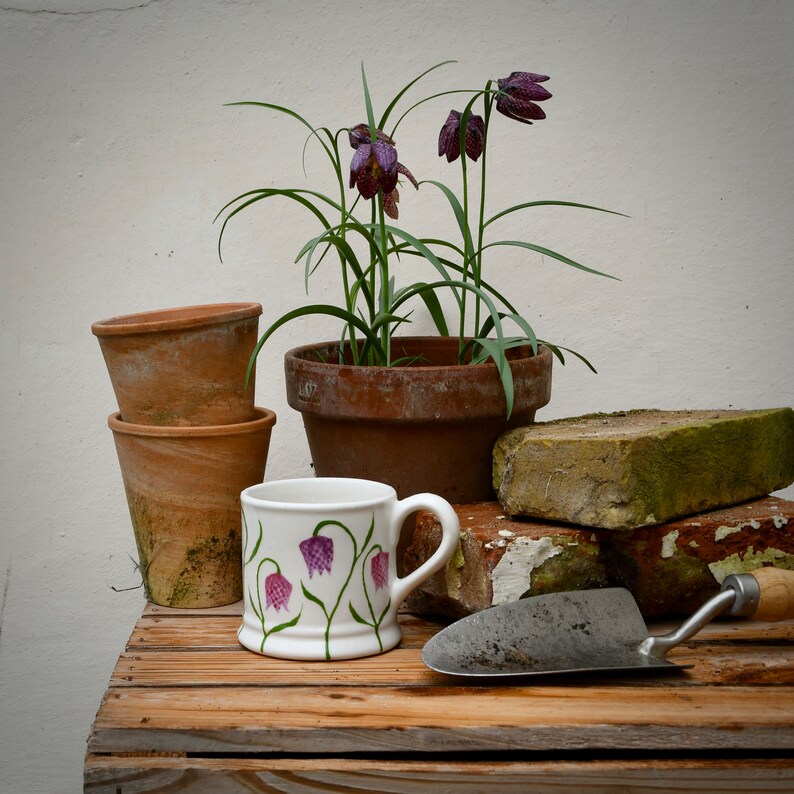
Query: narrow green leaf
463, 285
253, 604
510, 342
358, 617
546, 203
386, 318
256, 546
457, 209
288, 112
526, 328
557, 348
333, 311
308, 594
503, 368
368, 102
552, 254
399, 96
431, 97
448, 263
419, 246
259, 195
433, 305
287, 625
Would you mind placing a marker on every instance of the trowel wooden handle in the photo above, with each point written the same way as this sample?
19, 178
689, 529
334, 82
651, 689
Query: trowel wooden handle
777, 594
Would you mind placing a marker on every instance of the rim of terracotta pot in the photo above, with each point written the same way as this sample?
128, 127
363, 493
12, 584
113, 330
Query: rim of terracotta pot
308, 355
264, 418
176, 319
427, 392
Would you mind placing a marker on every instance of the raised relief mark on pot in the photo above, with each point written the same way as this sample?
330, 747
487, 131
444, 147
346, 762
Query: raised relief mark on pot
307, 392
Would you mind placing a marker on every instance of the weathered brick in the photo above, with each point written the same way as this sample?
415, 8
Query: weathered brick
639, 468
500, 560
671, 568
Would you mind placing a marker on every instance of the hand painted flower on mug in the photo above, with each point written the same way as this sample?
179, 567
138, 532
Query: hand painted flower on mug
277, 591
520, 91
379, 568
318, 552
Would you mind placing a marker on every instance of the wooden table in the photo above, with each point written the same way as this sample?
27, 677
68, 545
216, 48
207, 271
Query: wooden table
187, 708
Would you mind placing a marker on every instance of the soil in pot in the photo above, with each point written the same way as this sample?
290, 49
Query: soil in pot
183, 489
183, 366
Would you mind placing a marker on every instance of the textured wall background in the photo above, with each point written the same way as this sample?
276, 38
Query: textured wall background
116, 153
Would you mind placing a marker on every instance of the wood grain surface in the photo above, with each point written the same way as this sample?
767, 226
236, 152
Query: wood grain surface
189, 709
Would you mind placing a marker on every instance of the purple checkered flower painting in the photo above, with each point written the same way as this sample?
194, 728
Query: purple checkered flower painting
379, 568
277, 591
318, 552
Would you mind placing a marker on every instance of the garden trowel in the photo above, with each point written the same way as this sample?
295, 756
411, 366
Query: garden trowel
592, 630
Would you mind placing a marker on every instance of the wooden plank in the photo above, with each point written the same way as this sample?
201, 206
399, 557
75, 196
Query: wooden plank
178, 632
386, 720
300, 776
220, 631
721, 666
401, 666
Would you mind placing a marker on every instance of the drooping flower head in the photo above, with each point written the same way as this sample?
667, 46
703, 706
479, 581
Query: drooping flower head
379, 568
520, 93
277, 591
374, 167
449, 137
318, 552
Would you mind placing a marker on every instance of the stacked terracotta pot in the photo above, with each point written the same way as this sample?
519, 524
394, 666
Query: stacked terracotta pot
189, 439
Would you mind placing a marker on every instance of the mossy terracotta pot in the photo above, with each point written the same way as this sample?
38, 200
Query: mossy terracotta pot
428, 427
183, 488
183, 366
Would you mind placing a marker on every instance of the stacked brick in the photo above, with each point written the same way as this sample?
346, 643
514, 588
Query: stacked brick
664, 503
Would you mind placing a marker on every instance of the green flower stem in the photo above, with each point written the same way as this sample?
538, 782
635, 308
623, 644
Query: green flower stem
349, 300
375, 621
329, 616
467, 253
487, 105
385, 331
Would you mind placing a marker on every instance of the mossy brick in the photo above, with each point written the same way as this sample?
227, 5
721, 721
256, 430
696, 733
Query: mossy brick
638, 468
673, 568
499, 560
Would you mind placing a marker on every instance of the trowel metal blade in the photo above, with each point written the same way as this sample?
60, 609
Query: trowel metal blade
572, 632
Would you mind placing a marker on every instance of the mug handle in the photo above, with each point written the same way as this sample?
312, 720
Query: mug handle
450, 529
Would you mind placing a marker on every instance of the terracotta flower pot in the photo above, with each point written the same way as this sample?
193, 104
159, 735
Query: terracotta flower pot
183, 366
183, 489
426, 427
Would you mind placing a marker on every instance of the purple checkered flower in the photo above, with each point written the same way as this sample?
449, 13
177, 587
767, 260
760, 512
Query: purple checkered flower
520, 91
374, 167
449, 137
318, 552
277, 591
379, 568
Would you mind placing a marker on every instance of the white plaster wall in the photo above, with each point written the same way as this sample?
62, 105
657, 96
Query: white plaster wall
116, 152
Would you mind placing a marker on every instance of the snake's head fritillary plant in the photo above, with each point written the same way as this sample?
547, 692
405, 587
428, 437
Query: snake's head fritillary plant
277, 591
373, 302
318, 552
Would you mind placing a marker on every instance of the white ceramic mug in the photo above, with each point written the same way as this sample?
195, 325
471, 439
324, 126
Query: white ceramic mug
319, 569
